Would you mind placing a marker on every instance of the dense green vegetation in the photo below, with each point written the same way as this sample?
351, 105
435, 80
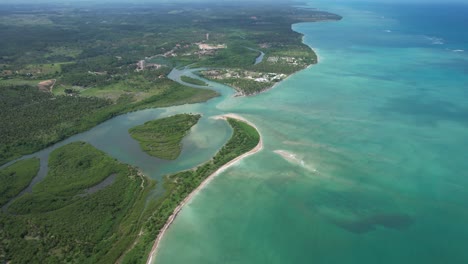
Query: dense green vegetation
180, 185
191, 80
31, 119
72, 169
16, 177
162, 138
54, 224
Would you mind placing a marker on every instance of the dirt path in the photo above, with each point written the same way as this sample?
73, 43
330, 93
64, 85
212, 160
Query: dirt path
47, 86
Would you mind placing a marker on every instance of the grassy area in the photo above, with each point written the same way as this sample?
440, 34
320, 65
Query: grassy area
236, 55
18, 82
138, 86
16, 177
63, 51
42, 69
66, 228
162, 138
176, 95
32, 120
180, 185
194, 81
127, 87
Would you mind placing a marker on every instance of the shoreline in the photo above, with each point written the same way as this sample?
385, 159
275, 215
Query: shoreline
205, 182
238, 91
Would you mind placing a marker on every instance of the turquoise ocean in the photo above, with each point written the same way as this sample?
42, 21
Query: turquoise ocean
375, 150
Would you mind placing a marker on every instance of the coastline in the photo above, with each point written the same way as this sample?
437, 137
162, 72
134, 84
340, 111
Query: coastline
290, 75
239, 92
208, 179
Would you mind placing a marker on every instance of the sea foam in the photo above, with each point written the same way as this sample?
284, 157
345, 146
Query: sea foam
292, 158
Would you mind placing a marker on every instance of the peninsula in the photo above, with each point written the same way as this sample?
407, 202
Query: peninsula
206, 181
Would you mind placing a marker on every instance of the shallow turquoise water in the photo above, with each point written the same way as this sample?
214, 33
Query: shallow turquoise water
379, 134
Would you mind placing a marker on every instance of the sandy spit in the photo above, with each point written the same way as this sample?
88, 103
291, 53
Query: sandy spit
171, 218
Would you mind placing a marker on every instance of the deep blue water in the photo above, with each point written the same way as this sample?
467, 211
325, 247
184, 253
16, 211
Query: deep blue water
447, 21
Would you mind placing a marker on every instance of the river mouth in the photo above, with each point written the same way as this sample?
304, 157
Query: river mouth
112, 137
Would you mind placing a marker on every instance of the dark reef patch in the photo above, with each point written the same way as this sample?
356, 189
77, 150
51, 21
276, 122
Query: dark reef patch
367, 224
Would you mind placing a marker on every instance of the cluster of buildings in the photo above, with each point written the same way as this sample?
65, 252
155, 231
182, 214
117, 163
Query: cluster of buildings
248, 75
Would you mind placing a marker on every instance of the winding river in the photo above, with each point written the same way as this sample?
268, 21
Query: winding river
112, 136
260, 57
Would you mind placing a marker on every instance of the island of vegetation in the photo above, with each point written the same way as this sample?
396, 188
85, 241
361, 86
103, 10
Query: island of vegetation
194, 81
162, 138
